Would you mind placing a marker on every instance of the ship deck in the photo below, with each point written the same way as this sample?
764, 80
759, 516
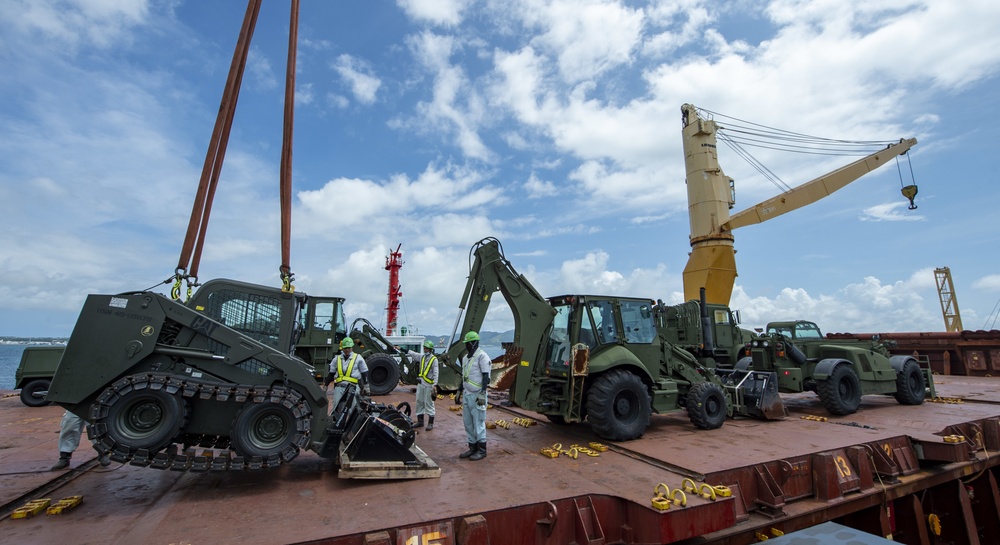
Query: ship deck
884, 470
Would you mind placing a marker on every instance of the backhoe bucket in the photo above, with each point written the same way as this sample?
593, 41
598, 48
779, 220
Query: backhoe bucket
376, 441
754, 393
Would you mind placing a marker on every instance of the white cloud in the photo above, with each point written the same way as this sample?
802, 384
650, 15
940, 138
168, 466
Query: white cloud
439, 12
990, 282
538, 188
68, 25
588, 37
888, 212
455, 107
358, 76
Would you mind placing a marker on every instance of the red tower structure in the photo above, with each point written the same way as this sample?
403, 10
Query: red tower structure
393, 262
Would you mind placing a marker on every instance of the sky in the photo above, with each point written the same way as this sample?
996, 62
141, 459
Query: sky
552, 125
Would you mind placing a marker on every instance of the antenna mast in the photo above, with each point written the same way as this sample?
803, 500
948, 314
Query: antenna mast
393, 262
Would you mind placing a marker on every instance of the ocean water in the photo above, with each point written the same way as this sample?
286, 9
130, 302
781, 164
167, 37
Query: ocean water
10, 357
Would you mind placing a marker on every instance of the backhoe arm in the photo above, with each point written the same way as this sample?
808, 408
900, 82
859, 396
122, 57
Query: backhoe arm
491, 272
818, 188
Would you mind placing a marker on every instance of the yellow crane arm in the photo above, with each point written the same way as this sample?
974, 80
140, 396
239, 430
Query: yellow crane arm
816, 189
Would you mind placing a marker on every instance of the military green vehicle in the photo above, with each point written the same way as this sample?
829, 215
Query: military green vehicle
156, 378
603, 359
34, 373
711, 332
839, 371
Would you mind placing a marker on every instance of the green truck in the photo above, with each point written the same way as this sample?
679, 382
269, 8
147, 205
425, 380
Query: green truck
839, 371
34, 373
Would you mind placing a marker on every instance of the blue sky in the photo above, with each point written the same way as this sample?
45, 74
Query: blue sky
553, 125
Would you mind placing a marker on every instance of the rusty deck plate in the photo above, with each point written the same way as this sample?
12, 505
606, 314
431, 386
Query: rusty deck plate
305, 501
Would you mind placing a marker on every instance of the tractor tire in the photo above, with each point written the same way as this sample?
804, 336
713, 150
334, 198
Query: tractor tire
910, 384
265, 429
706, 406
618, 406
840, 393
383, 374
33, 393
145, 419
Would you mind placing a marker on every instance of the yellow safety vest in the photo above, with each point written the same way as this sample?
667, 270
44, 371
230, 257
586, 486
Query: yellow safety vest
467, 366
346, 375
425, 367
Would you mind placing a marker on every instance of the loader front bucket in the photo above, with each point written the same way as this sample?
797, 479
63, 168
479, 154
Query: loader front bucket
377, 442
754, 393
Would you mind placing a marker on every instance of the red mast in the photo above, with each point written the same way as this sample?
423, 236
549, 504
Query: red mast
393, 262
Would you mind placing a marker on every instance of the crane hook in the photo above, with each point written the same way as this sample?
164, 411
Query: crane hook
910, 192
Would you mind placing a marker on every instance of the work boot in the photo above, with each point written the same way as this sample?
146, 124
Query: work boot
473, 448
63, 462
420, 421
104, 460
480, 451
430, 423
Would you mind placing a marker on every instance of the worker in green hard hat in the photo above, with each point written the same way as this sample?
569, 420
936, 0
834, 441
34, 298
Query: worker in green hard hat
427, 378
472, 395
347, 369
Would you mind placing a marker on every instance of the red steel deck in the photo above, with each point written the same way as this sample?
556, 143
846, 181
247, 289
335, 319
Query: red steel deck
883, 470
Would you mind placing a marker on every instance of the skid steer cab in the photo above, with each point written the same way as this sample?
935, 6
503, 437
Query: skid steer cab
207, 384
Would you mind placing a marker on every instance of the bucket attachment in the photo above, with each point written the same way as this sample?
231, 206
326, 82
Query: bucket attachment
376, 441
754, 393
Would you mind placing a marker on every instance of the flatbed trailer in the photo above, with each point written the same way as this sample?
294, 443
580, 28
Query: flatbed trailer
973, 353
886, 470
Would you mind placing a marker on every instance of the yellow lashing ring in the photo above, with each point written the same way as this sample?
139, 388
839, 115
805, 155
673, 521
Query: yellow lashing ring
707, 491
934, 522
661, 500
689, 486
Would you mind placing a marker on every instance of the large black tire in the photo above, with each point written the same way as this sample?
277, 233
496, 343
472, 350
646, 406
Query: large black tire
265, 429
910, 384
618, 406
706, 405
840, 393
33, 393
383, 374
145, 419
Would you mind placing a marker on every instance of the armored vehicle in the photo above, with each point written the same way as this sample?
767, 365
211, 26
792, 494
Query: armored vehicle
34, 373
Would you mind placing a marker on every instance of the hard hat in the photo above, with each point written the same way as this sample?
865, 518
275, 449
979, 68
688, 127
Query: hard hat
347, 343
429, 344
471, 336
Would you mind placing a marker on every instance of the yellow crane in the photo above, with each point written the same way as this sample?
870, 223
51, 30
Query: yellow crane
712, 261
949, 304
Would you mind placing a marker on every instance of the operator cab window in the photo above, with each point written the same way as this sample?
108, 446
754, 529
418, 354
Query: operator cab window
807, 330
603, 315
559, 350
637, 319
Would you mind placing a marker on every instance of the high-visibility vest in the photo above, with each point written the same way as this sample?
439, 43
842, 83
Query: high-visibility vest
425, 367
346, 375
466, 366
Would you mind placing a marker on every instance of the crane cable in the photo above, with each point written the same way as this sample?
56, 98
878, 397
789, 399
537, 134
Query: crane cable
739, 133
286, 152
194, 240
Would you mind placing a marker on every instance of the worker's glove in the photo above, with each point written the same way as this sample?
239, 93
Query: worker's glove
366, 390
458, 397
481, 399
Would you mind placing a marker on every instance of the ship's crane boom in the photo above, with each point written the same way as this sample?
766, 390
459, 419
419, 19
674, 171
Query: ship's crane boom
712, 262
816, 189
